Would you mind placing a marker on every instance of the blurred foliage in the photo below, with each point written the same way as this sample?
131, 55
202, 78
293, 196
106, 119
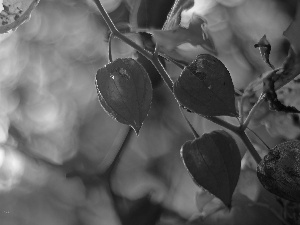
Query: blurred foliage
51, 122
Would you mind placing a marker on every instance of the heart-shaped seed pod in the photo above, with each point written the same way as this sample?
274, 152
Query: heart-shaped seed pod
205, 87
125, 91
214, 163
279, 171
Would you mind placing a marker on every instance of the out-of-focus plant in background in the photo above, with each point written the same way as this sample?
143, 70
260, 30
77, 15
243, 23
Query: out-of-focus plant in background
51, 122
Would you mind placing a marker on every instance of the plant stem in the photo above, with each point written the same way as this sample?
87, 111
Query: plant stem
223, 123
106, 17
155, 61
120, 146
111, 36
249, 145
259, 138
118, 34
252, 111
196, 135
241, 110
167, 79
173, 61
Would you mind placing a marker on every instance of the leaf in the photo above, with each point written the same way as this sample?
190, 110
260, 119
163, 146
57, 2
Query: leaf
195, 34
279, 171
205, 87
292, 33
290, 69
174, 17
120, 17
149, 13
265, 49
202, 198
153, 13
141, 211
280, 124
125, 91
15, 13
173, 34
289, 94
271, 97
274, 80
214, 162
243, 211
291, 65
121, 14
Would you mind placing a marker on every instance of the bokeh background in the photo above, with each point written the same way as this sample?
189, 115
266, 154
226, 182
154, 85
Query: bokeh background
51, 122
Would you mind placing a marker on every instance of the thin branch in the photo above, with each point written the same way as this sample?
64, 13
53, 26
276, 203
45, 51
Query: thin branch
111, 36
241, 110
271, 65
238, 92
155, 55
259, 138
173, 61
249, 145
196, 135
252, 111
157, 64
106, 17
223, 123
118, 34
122, 143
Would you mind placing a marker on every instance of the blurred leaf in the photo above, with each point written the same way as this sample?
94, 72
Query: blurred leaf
24, 147
15, 13
292, 33
255, 87
265, 49
141, 211
289, 94
280, 124
89, 180
214, 162
291, 65
290, 69
149, 13
248, 183
121, 14
243, 211
195, 34
120, 17
125, 91
205, 87
174, 34
271, 97
279, 171
202, 198
280, 77
292, 212
170, 217
289, 62
174, 17
153, 13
